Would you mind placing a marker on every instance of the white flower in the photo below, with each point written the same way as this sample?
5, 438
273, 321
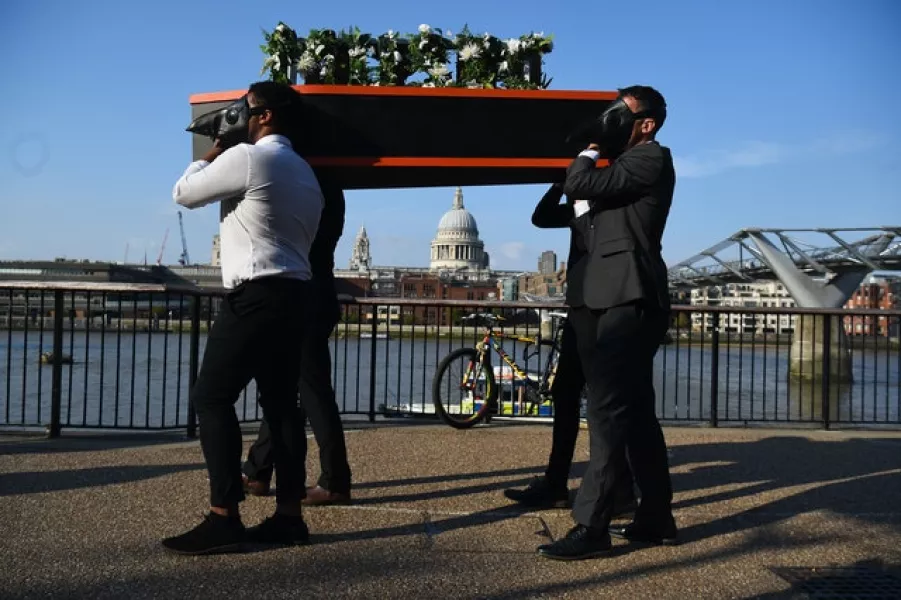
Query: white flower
319, 49
503, 67
470, 51
357, 52
305, 63
423, 44
397, 56
323, 71
513, 45
275, 62
424, 28
280, 28
439, 71
472, 83
390, 34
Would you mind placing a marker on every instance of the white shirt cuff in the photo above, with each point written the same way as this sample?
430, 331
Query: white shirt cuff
580, 207
592, 154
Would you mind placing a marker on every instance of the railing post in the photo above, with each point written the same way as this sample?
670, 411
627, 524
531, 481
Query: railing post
56, 391
193, 365
715, 371
372, 354
827, 356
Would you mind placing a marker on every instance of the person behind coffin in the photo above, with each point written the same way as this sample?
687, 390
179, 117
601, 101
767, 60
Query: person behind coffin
620, 321
270, 204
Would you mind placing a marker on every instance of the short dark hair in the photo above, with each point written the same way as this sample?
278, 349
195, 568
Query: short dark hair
280, 98
649, 100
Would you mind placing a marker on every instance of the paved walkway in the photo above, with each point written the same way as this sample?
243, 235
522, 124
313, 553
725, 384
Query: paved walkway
83, 516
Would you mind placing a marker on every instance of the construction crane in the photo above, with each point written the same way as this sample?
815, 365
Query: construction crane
159, 259
184, 260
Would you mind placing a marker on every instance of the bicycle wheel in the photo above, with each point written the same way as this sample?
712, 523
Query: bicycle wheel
463, 389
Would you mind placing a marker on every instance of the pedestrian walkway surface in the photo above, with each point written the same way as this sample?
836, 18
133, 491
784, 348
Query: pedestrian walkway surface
763, 513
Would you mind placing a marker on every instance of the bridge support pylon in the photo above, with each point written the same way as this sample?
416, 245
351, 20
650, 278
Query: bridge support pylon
810, 342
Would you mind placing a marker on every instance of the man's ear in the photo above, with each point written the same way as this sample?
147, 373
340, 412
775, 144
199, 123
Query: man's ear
649, 126
266, 118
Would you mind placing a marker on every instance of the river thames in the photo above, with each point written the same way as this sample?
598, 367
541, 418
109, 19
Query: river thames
141, 380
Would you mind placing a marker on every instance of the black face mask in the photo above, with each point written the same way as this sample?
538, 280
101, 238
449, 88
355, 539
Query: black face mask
612, 130
229, 124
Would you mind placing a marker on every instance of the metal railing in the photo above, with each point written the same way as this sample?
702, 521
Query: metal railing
124, 356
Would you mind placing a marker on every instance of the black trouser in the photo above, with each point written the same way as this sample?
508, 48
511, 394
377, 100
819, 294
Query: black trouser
566, 392
317, 401
256, 335
617, 348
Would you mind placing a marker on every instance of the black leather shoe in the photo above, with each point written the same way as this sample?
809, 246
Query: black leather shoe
540, 494
280, 529
580, 543
633, 532
255, 487
215, 535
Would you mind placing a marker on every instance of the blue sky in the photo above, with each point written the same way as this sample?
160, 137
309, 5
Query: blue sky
781, 114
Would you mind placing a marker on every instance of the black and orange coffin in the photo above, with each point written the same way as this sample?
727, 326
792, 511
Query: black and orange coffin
369, 137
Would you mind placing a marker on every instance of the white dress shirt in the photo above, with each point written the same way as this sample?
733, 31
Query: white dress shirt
580, 207
270, 204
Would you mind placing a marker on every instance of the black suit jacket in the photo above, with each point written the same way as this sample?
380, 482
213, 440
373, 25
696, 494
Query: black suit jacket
630, 201
549, 213
322, 253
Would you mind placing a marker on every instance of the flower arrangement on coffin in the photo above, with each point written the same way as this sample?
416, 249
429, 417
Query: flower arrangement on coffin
479, 59
324, 58
355, 58
524, 58
394, 61
361, 49
282, 52
428, 54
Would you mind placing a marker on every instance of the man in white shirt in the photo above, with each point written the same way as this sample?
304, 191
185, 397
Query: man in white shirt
270, 205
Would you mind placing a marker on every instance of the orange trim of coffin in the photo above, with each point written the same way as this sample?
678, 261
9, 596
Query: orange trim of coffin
442, 161
421, 92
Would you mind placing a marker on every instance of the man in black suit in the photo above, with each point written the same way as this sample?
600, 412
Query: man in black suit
551, 491
317, 397
621, 322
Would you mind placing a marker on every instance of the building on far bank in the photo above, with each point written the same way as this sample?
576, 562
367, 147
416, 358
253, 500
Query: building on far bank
764, 294
459, 269
547, 263
360, 259
551, 285
508, 289
457, 249
877, 292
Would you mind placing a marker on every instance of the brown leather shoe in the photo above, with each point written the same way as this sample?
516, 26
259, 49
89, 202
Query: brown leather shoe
319, 496
255, 487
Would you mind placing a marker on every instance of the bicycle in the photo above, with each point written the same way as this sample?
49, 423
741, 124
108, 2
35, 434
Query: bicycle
480, 405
